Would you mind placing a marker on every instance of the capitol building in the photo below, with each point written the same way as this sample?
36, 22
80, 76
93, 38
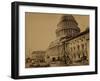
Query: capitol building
70, 48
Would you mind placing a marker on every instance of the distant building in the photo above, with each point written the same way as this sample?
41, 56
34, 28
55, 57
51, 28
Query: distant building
38, 56
71, 46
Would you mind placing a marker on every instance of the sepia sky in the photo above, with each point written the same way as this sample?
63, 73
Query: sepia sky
40, 29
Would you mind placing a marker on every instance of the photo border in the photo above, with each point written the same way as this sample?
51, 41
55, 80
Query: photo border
15, 39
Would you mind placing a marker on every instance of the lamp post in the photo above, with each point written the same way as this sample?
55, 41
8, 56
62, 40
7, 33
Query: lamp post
63, 40
64, 52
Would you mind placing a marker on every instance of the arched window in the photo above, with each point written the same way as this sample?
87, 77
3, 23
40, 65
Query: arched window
82, 46
47, 56
78, 47
74, 56
53, 59
58, 58
82, 40
74, 48
71, 49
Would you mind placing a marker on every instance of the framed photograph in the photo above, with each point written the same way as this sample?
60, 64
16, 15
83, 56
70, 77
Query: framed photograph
50, 40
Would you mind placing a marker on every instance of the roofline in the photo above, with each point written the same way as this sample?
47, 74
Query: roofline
82, 33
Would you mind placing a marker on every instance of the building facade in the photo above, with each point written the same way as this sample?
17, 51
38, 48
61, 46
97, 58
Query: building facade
38, 56
37, 59
71, 46
77, 48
